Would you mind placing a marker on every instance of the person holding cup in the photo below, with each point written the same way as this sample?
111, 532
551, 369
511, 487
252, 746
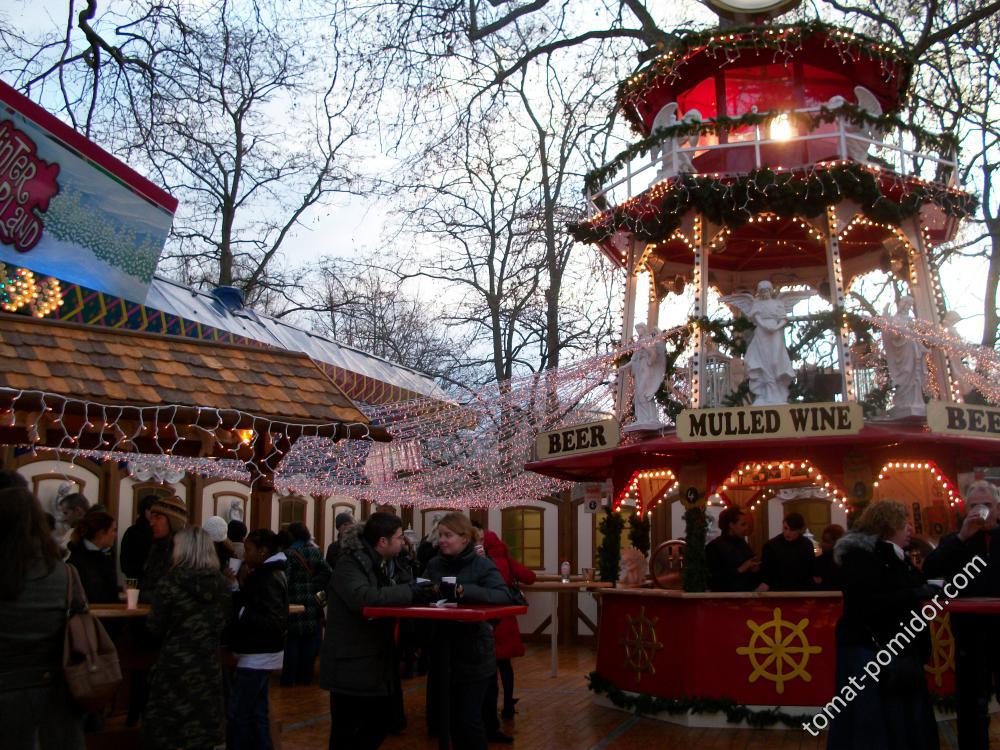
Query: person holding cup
977, 662
463, 576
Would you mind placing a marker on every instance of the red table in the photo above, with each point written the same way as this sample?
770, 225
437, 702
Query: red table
984, 605
466, 613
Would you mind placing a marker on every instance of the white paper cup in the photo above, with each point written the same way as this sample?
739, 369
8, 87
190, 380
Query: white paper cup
449, 579
939, 582
131, 598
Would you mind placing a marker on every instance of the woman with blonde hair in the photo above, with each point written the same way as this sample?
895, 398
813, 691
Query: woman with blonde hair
881, 591
471, 645
190, 610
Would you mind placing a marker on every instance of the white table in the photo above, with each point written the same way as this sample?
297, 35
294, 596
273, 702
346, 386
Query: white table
556, 588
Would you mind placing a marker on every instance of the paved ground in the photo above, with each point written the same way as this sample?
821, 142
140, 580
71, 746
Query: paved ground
556, 714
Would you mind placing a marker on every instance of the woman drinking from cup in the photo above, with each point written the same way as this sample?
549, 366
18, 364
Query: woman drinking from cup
466, 577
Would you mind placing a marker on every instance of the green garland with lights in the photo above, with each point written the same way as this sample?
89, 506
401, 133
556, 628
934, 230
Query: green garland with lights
781, 39
609, 554
638, 532
732, 202
804, 121
695, 570
643, 704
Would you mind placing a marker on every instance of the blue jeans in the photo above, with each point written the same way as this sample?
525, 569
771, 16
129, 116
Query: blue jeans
247, 725
300, 659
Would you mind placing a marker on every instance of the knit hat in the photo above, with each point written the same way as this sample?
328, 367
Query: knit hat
216, 528
342, 518
174, 509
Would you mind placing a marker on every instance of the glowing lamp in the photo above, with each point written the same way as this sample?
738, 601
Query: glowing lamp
781, 128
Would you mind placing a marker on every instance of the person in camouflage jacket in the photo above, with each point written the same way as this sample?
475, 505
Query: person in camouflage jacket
190, 610
307, 574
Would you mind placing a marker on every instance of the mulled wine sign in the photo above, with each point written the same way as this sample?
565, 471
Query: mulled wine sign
583, 438
72, 211
770, 422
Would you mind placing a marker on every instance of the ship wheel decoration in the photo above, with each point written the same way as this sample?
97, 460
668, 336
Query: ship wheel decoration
779, 650
942, 648
640, 643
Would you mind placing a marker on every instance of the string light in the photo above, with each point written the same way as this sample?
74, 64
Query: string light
954, 499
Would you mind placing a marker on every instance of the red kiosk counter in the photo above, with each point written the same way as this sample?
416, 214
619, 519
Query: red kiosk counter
762, 651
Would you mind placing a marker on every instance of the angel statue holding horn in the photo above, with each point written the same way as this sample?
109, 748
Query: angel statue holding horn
648, 366
767, 363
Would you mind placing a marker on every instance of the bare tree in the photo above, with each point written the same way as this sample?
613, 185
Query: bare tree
241, 110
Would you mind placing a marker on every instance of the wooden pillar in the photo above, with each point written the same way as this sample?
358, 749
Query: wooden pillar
260, 501
110, 489
319, 520
195, 485
628, 316
480, 515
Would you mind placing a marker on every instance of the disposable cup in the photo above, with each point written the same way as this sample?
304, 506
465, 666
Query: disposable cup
132, 598
449, 579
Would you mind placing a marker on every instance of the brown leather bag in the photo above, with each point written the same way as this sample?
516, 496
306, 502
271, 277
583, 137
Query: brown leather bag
90, 659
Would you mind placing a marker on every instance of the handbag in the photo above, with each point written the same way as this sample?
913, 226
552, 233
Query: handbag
90, 659
903, 673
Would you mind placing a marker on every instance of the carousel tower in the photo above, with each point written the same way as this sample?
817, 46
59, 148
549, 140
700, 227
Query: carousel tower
773, 153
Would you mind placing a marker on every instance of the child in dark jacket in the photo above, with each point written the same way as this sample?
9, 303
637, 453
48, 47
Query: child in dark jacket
257, 640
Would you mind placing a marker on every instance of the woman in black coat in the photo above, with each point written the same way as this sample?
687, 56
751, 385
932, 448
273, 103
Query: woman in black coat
882, 590
471, 648
91, 554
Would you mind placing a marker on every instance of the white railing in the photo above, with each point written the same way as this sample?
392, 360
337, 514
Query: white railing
838, 140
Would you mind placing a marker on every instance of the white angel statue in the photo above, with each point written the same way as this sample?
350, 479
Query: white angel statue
648, 365
666, 118
767, 362
858, 149
906, 360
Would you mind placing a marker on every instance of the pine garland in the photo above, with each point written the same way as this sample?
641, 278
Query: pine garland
638, 532
695, 564
609, 554
643, 704
804, 121
731, 202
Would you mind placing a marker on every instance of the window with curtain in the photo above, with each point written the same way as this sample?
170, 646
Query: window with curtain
522, 530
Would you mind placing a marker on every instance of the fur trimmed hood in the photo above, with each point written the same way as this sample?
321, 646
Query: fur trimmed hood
851, 541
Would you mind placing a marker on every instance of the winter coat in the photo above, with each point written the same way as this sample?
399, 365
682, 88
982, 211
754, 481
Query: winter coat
952, 555
260, 625
724, 555
185, 708
507, 633
788, 566
880, 592
156, 567
473, 649
34, 700
307, 573
136, 542
359, 655
97, 573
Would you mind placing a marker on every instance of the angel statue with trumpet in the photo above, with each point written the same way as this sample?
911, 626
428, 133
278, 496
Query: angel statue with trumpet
767, 363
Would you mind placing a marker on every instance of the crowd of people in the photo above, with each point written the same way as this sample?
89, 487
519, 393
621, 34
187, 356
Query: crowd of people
219, 624
217, 589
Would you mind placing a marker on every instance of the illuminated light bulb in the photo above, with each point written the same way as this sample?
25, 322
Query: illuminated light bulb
781, 128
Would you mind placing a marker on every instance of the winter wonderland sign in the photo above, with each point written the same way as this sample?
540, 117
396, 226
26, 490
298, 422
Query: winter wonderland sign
70, 210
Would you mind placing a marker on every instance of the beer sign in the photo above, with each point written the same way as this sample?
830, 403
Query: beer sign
970, 420
584, 438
